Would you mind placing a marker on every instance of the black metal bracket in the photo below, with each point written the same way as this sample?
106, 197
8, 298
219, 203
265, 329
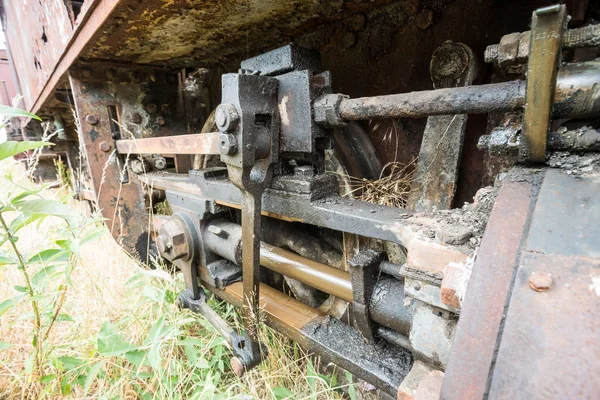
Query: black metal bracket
247, 355
364, 268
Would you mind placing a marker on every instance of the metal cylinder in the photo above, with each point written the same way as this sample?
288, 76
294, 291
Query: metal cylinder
323, 277
577, 95
224, 239
387, 306
387, 303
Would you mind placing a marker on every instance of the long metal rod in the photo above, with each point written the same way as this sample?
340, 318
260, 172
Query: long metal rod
320, 276
198, 143
481, 99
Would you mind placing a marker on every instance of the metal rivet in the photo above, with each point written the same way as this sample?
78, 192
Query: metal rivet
417, 285
136, 118
540, 282
105, 147
91, 119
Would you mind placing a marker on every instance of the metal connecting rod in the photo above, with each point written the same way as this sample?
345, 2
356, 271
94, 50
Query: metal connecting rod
569, 100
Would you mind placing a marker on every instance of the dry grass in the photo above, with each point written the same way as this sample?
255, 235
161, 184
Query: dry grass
393, 188
110, 290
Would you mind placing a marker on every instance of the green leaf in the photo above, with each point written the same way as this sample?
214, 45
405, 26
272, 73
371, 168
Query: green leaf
23, 220
94, 234
137, 357
70, 362
21, 289
45, 207
4, 260
47, 378
64, 318
6, 305
65, 386
9, 149
5, 345
11, 112
109, 343
281, 392
91, 376
42, 275
49, 256
351, 388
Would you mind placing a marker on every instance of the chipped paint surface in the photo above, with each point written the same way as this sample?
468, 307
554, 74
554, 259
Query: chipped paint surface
191, 32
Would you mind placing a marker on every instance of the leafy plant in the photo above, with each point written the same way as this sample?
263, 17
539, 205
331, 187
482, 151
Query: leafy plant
141, 346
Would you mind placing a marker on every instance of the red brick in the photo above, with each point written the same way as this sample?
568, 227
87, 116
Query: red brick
432, 257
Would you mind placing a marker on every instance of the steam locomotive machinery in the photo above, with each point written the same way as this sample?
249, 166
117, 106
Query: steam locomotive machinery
266, 228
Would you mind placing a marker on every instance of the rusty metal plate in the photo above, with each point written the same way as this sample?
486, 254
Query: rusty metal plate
203, 143
551, 339
483, 308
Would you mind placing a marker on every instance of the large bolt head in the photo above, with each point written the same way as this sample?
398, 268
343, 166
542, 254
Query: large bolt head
228, 144
91, 119
226, 117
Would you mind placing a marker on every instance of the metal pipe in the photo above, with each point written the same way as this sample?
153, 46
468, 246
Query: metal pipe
320, 276
224, 239
583, 99
387, 303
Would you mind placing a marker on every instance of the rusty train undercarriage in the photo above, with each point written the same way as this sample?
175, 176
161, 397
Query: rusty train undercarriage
255, 120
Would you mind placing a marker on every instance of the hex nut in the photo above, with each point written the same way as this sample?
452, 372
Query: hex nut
172, 241
91, 119
226, 117
105, 147
540, 282
228, 144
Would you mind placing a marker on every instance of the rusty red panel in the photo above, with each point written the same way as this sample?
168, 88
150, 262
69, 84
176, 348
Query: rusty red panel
550, 345
37, 33
482, 312
121, 201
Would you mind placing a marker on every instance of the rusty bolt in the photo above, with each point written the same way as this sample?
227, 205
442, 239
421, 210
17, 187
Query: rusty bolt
91, 119
163, 245
151, 107
540, 282
165, 108
237, 366
105, 147
226, 117
160, 121
172, 242
136, 118
228, 144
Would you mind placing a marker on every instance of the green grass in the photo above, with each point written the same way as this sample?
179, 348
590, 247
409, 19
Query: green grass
118, 334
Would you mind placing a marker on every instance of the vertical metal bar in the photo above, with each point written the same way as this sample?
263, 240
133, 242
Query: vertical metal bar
547, 26
251, 229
